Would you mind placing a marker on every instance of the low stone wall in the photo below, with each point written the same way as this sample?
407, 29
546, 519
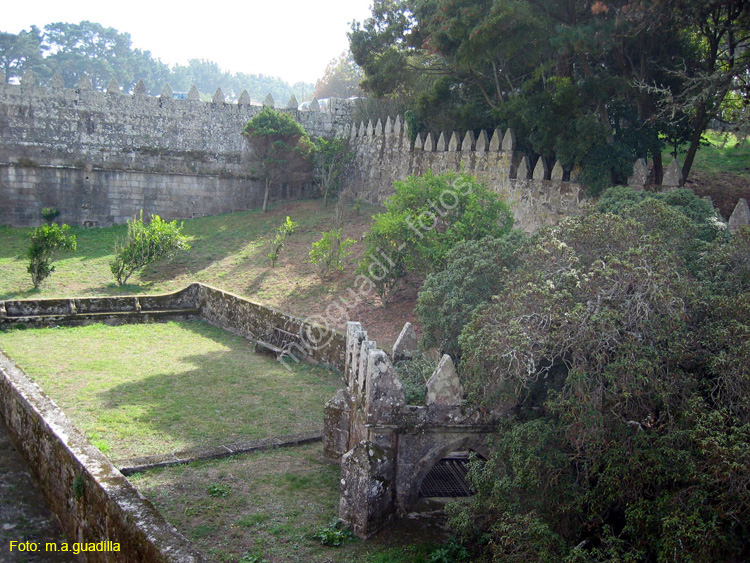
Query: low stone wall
220, 308
90, 497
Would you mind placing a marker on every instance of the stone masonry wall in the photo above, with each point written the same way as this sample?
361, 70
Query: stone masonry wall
100, 157
220, 308
384, 153
90, 497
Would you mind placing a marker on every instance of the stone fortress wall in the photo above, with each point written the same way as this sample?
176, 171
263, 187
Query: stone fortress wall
101, 156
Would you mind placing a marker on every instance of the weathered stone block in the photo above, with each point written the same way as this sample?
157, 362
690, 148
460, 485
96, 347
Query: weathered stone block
444, 387
406, 343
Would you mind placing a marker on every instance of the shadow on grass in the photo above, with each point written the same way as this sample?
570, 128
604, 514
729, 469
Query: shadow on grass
226, 396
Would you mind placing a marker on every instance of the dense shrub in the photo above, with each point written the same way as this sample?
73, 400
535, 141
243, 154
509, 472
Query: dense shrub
145, 243
426, 217
329, 252
45, 242
472, 274
621, 357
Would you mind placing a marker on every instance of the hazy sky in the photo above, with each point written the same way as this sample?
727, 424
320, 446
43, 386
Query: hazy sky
292, 39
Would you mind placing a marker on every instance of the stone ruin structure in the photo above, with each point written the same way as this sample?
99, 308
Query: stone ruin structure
389, 449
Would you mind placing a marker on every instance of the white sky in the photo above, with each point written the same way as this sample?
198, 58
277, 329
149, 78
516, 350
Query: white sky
293, 40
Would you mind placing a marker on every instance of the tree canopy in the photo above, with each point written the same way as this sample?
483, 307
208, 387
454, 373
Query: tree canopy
594, 84
617, 347
104, 53
280, 150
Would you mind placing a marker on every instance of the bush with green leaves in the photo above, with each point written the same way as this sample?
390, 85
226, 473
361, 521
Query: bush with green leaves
46, 240
279, 239
329, 253
472, 273
49, 214
333, 535
331, 158
426, 217
145, 243
625, 373
414, 374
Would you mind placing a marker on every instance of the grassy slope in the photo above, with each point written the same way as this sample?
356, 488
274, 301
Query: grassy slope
721, 170
229, 251
203, 386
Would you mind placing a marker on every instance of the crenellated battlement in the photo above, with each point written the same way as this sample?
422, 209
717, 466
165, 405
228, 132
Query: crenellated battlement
384, 153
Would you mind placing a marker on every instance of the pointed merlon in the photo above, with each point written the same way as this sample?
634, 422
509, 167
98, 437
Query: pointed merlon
57, 82
740, 216
541, 169
362, 129
509, 140
218, 97
268, 102
673, 175
482, 142
244, 99
468, 143
406, 343
418, 145
315, 105
397, 126
557, 172
112, 87
440, 147
352, 131
453, 143
84, 83
140, 89
378, 131
523, 169
384, 388
496, 141
193, 94
388, 131
640, 174
166, 92
370, 128
28, 79
292, 103
444, 387
429, 143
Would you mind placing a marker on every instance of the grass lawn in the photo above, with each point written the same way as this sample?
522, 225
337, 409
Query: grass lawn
265, 507
158, 388
228, 251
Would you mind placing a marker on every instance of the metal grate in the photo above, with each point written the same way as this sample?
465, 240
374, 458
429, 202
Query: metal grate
447, 479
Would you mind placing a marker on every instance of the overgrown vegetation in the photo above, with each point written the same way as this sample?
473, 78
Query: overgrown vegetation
329, 253
280, 150
145, 243
279, 239
591, 84
47, 240
619, 350
426, 217
331, 158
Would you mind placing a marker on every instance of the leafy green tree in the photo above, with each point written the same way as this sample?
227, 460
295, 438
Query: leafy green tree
623, 372
329, 253
101, 53
45, 242
279, 240
593, 84
280, 150
331, 159
426, 217
340, 79
145, 243
21, 52
473, 272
